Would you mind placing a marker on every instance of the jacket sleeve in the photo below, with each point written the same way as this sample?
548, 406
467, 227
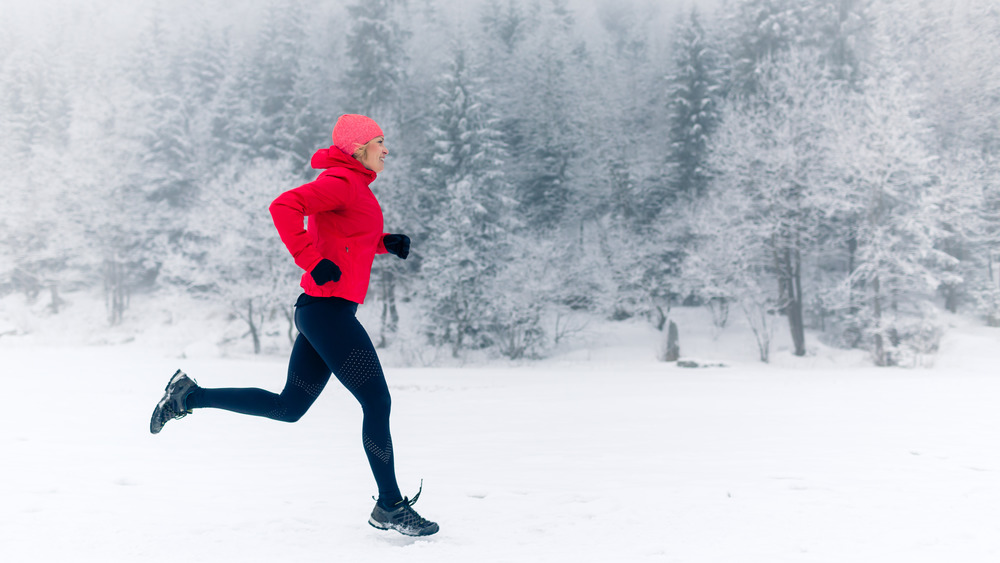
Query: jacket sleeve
289, 210
380, 249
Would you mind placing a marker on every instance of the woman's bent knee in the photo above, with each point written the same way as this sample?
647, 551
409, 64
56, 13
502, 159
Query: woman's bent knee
287, 415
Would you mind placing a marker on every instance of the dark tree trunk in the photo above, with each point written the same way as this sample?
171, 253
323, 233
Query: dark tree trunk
254, 329
390, 315
790, 291
795, 322
879, 351
115, 290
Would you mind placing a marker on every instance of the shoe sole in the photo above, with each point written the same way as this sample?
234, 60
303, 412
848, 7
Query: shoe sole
153, 429
381, 526
376, 524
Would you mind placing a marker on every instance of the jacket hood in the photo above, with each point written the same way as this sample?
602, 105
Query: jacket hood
334, 157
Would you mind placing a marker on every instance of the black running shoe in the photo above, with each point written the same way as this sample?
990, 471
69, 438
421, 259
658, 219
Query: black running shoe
172, 406
402, 518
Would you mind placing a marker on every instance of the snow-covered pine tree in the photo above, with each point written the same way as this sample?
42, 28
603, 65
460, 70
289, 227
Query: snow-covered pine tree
504, 21
468, 244
205, 63
694, 90
541, 115
167, 156
373, 84
761, 30
952, 213
32, 90
201, 67
151, 168
204, 60
985, 288
610, 253
960, 82
276, 84
84, 167
311, 112
841, 33
377, 54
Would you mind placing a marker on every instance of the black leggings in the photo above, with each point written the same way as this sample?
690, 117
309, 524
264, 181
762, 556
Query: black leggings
330, 340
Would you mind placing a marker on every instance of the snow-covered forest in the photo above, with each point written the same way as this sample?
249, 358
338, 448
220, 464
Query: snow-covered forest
823, 168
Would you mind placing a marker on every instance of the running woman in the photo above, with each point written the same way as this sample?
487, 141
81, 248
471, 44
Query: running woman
336, 250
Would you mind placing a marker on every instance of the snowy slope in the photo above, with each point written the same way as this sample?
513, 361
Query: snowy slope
568, 460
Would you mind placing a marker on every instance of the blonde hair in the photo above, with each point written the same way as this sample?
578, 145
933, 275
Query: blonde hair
362, 150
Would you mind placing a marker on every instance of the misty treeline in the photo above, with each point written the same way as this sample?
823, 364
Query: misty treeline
820, 165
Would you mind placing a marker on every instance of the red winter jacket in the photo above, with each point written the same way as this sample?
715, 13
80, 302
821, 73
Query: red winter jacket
344, 225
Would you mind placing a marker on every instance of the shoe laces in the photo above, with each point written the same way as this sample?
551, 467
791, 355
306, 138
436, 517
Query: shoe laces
169, 412
408, 502
411, 518
411, 502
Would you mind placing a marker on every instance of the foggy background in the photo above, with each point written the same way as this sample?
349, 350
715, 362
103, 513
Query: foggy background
821, 168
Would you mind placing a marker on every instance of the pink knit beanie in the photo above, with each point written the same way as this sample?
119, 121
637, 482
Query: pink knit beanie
353, 131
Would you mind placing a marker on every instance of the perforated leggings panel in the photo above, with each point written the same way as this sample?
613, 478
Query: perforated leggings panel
330, 340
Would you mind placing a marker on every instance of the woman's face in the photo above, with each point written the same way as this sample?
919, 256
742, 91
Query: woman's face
374, 157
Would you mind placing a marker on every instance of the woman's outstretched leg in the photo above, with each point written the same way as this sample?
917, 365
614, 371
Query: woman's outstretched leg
307, 375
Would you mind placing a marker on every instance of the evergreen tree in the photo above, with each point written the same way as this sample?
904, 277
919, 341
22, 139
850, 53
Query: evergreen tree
622, 262
763, 30
842, 40
985, 285
377, 54
952, 214
617, 170
956, 65
375, 83
694, 92
205, 60
170, 161
505, 23
235, 116
470, 232
276, 81
163, 191
542, 122
41, 234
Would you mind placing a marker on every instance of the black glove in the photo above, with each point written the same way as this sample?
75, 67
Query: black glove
325, 271
397, 244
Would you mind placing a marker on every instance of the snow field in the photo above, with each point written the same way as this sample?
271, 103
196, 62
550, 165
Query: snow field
566, 460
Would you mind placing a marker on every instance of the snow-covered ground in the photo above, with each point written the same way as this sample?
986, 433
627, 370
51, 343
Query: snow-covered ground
598, 454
